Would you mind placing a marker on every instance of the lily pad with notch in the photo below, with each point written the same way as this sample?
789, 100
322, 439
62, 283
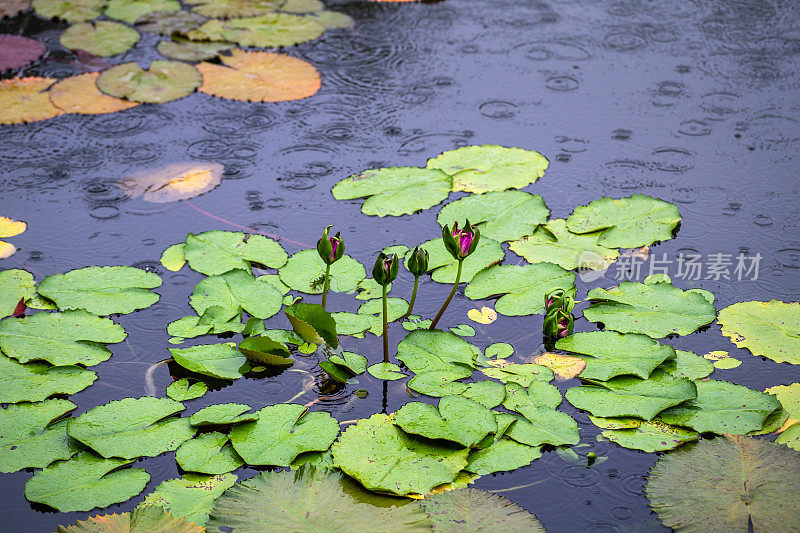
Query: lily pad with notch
209, 453
191, 496
456, 419
554, 243
521, 288
768, 329
501, 216
164, 81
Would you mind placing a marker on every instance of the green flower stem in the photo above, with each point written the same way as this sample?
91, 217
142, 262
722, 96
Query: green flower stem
449, 297
385, 329
327, 284
413, 296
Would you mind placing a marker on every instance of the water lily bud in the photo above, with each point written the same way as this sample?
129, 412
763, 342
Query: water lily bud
418, 262
385, 270
558, 299
330, 249
558, 324
461, 242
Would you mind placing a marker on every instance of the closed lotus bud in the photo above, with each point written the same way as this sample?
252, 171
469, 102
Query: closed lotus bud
418, 262
330, 249
558, 324
558, 299
385, 270
460, 242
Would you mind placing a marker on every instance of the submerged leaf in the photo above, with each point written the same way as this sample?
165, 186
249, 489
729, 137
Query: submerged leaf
102, 290
101, 38
395, 191
724, 484
281, 433
309, 501
630, 222
259, 77
178, 181
17, 51
768, 329
457, 511
132, 427
30, 436
481, 169
84, 482
655, 309
523, 288
25, 100
163, 82
384, 458
66, 338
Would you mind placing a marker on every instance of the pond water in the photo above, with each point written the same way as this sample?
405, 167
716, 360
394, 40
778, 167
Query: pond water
692, 102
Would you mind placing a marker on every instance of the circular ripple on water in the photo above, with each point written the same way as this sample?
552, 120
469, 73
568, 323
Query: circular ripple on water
139, 119
672, 159
430, 144
559, 49
115, 245
720, 104
351, 50
694, 128
103, 191
561, 83
624, 41
498, 109
301, 167
130, 154
37, 141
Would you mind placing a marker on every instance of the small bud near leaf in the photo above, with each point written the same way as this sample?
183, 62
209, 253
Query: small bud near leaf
418, 261
385, 270
330, 249
460, 242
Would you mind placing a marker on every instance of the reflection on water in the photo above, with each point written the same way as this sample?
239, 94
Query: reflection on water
692, 102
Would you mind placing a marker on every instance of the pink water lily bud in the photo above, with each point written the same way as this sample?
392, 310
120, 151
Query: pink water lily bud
461, 242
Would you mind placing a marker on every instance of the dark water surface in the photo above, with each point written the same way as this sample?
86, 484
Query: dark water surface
693, 102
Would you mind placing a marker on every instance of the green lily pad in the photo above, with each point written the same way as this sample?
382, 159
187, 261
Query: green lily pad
188, 327
190, 50
132, 427
524, 374
789, 396
31, 437
233, 8
457, 419
415, 322
191, 497
302, 6
33, 382
69, 10
499, 350
440, 383
725, 484
84, 482
101, 38
173, 258
554, 243
502, 456
163, 82
209, 453
631, 396
354, 324
386, 371
726, 363
534, 396
395, 309
523, 288
181, 390
395, 191
102, 290
223, 414
313, 323
724, 408
426, 350
384, 458
463, 330
142, 519
444, 267
132, 10
170, 23
609, 354
649, 436
293, 501
353, 362
60, 338
487, 393
305, 272
481, 169
369, 288
688, 365
501, 216
655, 309
332, 20
769, 329
281, 433
15, 285
217, 252
630, 222
234, 291
790, 437
266, 351
457, 511
543, 425
269, 30
221, 361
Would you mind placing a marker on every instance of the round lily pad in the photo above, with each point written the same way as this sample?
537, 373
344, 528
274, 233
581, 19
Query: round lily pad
191, 496
102, 38
554, 243
265, 31
178, 181
163, 82
724, 484
233, 8
181, 22
17, 51
132, 10
69, 10
501, 215
768, 329
457, 511
190, 50
79, 94
304, 272
259, 77
26, 100
11, 8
